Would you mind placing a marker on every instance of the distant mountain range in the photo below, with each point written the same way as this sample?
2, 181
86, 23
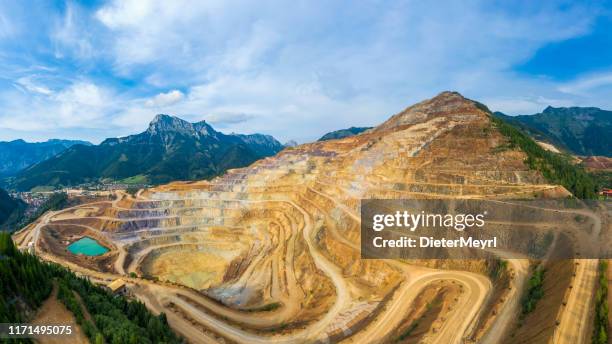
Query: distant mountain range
170, 149
291, 143
339, 134
174, 149
582, 131
18, 154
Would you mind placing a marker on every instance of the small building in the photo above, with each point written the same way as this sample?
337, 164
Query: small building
607, 193
118, 287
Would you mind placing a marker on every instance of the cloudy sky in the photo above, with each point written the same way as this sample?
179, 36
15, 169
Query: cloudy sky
292, 69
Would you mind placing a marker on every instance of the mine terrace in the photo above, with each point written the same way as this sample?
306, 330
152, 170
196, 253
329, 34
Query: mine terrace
270, 252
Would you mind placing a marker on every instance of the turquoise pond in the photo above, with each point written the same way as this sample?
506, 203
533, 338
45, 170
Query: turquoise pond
87, 246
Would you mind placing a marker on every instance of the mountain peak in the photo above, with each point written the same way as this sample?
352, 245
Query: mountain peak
163, 118
578, 130
446, 104
170, 149
576, 111
203, 128
447, 94
163, 123
166, 123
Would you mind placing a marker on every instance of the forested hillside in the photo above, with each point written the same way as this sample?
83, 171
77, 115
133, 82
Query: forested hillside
556, 168
579, 130
25, 282
170, 149
19, 154
11, 210
342, 133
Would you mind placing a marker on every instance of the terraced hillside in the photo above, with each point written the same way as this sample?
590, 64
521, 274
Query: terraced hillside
270, 252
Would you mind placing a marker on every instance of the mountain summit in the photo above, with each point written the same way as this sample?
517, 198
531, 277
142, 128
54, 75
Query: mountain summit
165, 124
170, 149
166, 127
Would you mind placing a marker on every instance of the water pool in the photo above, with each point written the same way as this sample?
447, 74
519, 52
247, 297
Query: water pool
87, 246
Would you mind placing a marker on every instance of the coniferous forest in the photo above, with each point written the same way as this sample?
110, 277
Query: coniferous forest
25, 283
556, 168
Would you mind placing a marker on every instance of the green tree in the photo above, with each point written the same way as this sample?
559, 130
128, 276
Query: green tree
556, 168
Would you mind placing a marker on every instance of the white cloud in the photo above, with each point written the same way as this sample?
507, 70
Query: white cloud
294, 70
149, 31
227, 118
125, 13
84, 94
244, 104
32, 86
311, 69
524, 105
165, 99
587, 84
132, 119
73, 35
242, 54
6, 27
81, 104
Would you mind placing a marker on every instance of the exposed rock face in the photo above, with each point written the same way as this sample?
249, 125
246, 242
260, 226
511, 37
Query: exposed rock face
163, 124
597, 163
287, 226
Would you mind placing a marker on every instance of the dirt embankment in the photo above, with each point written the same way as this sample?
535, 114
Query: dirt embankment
427, 313
56, 238
609, 275
501, 275
597, 163
539, 325
53, 312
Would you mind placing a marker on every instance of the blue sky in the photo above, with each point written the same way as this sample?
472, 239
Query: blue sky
292, 69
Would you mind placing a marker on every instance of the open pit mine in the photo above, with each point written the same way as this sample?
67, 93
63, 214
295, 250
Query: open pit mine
270, 253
